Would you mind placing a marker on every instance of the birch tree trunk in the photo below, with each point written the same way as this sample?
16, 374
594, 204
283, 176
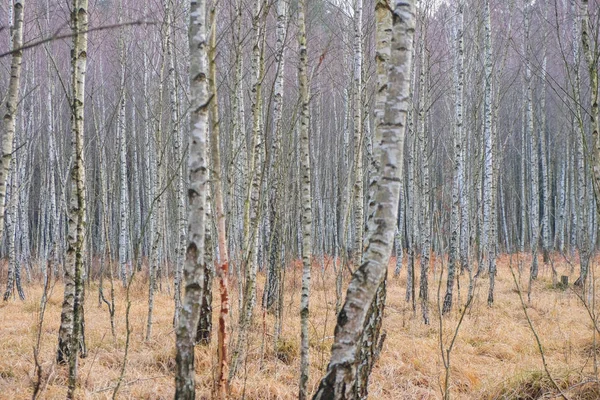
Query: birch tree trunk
12, 196
223, 258
197, 167
489, 213
533, 142
590, 51
252, 205
12, 100
340, 379
124, 209
71, 329
544, 157
178, 150
357, 96
274, 162
423, 143
455, 231
306, 198
156, 200
580, 210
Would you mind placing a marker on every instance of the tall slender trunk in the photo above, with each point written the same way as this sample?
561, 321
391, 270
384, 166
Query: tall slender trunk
194, 261
357, 96
274, 162
455, 231
306, 198
252, 205
544, 152
176, 135
156, 161
71, 329
423, 142
590, 51
223, 259
489, 213
124, 208
533, 144
12, 100
340, 379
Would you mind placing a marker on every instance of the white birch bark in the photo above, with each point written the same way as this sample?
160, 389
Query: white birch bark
544, 153
339, 381
489, 238
532, 136
589, 46
12, 99
274, 162
252, 205
357, 96
156, 200
124, 190
454, 246
306, 198
423, 145
194, 262
71, 330
176, 134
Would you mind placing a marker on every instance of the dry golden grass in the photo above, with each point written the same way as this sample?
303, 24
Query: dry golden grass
495, 356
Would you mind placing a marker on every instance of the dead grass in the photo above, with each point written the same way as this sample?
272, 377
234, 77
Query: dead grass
495, 356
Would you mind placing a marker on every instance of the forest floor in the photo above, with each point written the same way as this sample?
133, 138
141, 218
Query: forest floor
495, 354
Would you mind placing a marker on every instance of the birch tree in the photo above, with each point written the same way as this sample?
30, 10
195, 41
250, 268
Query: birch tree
489, 213
533, 144
12, 103
71, 327
455, 220
253, 195
197, 167
306, 198
223, 258
340, 379
357, 96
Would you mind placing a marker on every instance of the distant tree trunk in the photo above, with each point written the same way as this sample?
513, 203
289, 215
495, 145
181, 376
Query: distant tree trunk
124, 208
357, 96
252, 205
544, 159
523, 181
272, 291
239, 163
219, 214
412, 210
561, 206
455, 230
306, 198
176, 134
341, 377
194, 261
155, 161
533, 142
10, 116
425, 184
489, 212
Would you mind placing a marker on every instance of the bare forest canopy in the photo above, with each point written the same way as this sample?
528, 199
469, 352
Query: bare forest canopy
181, 145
